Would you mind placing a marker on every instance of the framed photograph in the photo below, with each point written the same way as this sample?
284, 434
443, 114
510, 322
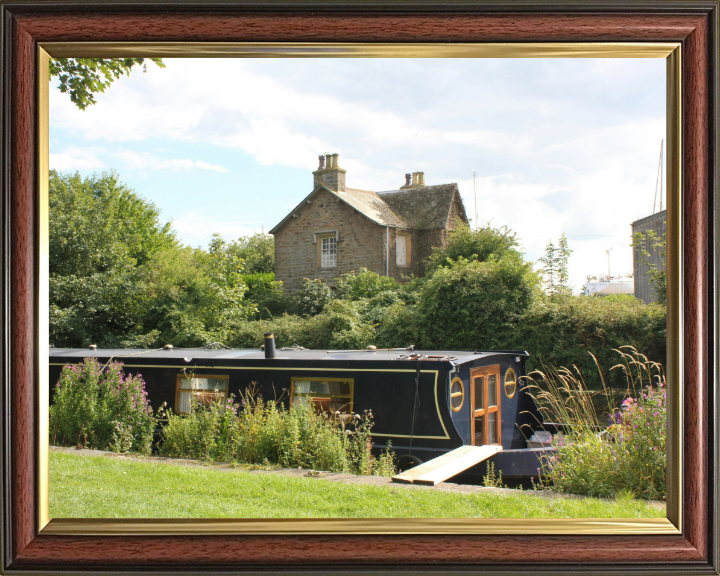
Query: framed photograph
684, 33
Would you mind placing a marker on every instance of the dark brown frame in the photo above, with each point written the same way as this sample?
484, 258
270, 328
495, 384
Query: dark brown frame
693, 23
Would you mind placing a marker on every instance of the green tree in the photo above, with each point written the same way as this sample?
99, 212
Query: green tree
479, 245
82, 78
555, 267
474, 305
563, 275
549, 270
100, 233
257, 251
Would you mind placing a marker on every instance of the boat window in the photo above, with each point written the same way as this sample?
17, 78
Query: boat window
202, 389
326, 394
510, 383
457, 394
492, 391
479, 394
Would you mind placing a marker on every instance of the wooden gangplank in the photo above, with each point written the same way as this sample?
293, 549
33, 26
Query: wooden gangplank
448, 465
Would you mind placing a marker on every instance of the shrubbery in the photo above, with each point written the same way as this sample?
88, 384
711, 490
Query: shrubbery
629, 455
261, 432
101, 409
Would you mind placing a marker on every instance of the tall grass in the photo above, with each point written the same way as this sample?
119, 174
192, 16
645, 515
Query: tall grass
260, 431
622, 452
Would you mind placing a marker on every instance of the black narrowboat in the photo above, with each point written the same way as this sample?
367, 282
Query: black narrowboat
425, 403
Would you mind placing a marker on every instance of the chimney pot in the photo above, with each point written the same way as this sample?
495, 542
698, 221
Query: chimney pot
408, 177
330, 173
415, 178
421, 179
321, 165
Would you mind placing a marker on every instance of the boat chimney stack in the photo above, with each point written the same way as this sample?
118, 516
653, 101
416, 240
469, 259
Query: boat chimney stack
269, 345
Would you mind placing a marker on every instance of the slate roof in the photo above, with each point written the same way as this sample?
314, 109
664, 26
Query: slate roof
372, 206
423, 207
420, 208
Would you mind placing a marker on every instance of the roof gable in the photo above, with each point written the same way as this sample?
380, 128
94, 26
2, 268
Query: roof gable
420, 208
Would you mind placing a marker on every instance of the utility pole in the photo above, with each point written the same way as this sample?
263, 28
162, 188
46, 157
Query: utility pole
608, 257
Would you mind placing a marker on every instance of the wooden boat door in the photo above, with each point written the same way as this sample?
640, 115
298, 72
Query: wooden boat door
485, 398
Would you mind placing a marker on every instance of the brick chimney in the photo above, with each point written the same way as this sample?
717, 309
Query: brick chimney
418, 179
330, 173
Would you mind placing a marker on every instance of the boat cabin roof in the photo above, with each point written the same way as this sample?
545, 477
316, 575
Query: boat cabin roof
188, 354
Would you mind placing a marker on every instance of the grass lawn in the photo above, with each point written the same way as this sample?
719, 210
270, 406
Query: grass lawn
103, 487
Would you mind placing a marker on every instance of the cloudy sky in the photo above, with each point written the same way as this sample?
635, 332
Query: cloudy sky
228, 145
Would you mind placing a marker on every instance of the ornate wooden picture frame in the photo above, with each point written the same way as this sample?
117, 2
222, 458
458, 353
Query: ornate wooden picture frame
689, 541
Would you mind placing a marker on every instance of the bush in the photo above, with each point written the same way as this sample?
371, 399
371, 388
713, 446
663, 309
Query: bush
313, 297
266, 293
101, 409
340, 326
629, 455
475, 305
561, 331
364, 284
258, 431
476, 245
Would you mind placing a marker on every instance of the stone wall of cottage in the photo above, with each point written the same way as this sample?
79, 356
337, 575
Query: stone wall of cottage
361, 242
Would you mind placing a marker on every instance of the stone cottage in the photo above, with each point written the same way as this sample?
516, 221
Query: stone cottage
336, 229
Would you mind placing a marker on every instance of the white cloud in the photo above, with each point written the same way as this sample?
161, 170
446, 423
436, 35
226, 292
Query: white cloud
559, 145
147, 161
196, 229
77, 158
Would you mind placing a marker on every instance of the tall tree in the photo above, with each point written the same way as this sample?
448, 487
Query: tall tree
549, 270
562, 256
555, 267
82, 78
101, 232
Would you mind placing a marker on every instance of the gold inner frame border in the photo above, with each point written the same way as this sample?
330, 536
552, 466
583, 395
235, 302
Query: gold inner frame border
616, 526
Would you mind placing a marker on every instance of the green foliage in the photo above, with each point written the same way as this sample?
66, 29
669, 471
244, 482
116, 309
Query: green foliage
101, 408
555, 267
475, 305
82, 78
119, 278
364, 284
312, 298
259, 431
643, 242
629, 456
490, 479
100, 232
481, 244
267, 294
339, 326
258, 252
562, 330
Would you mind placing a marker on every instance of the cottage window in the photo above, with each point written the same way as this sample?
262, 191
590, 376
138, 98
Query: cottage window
327, 250
402, 250
202, 389
326, 394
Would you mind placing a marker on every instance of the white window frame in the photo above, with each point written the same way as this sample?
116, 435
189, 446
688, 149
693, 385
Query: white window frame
327, 243
408, 241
